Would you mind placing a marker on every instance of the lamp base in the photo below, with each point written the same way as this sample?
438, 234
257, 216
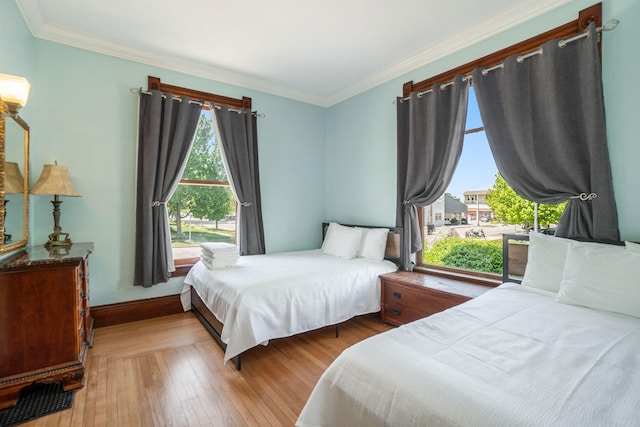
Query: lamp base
58, 239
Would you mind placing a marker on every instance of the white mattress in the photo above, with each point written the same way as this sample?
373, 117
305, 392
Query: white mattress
511, 357
271, 296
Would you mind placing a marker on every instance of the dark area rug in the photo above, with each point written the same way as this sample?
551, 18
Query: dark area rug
36, 401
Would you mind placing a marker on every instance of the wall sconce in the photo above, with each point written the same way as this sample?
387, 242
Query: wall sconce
14, 92
55, 181
13, 184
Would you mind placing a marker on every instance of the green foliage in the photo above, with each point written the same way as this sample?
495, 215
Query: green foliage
471, 254
204, 164
510, 208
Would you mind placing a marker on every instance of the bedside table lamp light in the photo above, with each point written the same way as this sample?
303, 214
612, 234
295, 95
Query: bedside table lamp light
13, 184
55, 181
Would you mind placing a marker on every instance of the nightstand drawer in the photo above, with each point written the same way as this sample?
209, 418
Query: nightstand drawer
399, 315
395, 294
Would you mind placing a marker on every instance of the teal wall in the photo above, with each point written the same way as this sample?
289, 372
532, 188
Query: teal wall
316, 163
83, 115
361, 131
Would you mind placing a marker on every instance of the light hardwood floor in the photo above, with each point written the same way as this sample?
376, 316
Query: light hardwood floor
168, 371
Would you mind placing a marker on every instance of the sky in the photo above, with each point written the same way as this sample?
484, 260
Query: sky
476, 169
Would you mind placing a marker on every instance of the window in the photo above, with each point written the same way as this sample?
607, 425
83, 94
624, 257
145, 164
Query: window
465, 209
469, 240
477, 163
203, 207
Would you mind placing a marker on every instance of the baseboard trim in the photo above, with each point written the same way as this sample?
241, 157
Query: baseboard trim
131, 311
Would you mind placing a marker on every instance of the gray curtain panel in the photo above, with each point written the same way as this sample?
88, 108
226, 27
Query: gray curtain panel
166, 130
430, 134
544, 119
238, 137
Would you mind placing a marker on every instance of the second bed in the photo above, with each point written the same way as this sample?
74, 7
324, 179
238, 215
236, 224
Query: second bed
264, 297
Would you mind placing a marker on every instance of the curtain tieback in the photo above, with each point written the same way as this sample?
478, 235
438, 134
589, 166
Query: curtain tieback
245, 204
406, 202
157, 203
585, 196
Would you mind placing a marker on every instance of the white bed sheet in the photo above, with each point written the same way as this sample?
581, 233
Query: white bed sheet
272, 296
511, 357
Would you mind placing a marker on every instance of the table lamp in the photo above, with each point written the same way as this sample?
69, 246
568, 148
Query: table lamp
13, 184
55, 181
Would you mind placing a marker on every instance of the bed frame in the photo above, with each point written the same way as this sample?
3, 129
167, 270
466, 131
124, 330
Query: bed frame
214, 326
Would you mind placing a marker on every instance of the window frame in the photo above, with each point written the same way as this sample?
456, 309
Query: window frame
183, 265
572, 28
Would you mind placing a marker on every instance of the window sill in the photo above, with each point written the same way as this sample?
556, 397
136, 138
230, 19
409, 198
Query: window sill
183, 266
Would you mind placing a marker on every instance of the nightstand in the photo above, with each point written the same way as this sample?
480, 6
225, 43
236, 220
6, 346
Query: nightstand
408, 296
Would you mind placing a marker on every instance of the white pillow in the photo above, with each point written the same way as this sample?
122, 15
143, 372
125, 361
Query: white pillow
635, 247
545, 261
342, 241
374, 243
604, 277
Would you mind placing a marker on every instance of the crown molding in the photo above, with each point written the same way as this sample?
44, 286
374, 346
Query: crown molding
481, 31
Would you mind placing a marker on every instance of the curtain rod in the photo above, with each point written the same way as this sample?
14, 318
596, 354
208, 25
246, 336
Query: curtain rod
608, 26
206, 103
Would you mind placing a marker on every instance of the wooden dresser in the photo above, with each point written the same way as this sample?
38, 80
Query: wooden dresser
45, 326
408, 296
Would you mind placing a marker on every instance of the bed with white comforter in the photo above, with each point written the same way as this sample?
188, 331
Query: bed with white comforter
264, 297
563, 349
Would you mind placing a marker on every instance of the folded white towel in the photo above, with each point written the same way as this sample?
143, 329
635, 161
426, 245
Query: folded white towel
219, 254
228, 258
213, 264
218, 246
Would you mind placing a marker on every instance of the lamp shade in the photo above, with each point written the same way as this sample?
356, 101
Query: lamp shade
13, 180
14, 90
54, 180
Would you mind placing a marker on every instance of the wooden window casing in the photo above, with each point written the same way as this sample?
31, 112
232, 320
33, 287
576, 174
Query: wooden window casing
585, 17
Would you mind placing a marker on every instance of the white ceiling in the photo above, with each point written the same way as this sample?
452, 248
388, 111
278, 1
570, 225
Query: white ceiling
320, 52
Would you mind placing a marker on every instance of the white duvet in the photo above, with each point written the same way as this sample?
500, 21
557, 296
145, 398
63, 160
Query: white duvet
272, 296
511, 357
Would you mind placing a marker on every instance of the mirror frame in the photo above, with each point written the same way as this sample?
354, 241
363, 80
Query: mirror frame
4, 115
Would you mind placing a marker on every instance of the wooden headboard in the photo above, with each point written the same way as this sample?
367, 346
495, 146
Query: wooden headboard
394, 241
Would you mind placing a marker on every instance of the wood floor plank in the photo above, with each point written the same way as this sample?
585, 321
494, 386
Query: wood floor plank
168, 371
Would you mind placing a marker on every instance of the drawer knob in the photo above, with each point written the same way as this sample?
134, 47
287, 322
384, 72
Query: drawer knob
397, 312
82, 313
397, 294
